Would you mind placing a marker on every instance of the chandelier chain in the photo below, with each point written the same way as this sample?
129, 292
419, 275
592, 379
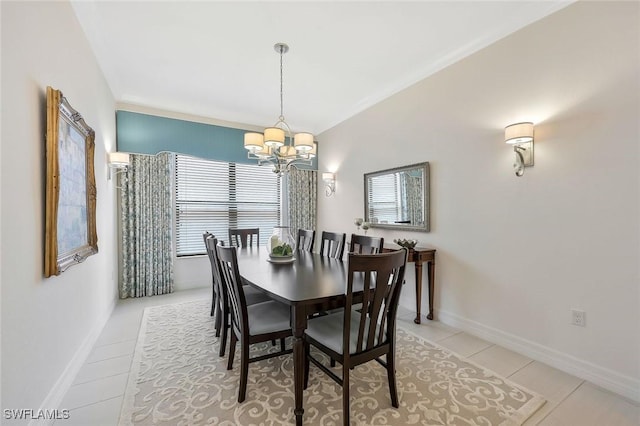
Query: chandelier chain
281, 91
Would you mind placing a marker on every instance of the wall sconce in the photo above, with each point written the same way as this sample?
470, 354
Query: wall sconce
330, 183
118, 161
520, 135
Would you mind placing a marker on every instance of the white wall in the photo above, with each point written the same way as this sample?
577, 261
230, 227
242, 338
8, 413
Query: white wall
48, 324
515, 255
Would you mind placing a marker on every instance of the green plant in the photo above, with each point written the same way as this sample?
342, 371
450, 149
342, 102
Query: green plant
282, 250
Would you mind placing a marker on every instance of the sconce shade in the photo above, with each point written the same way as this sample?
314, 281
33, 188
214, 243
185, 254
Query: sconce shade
119, 160
273, 136
328, 177
518, 133
330, 183
253, 141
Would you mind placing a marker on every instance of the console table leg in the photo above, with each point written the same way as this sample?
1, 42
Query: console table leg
418, 291
431, 272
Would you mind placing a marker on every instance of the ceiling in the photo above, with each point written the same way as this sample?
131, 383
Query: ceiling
216, 59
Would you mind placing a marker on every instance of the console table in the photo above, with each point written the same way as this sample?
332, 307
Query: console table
419, 256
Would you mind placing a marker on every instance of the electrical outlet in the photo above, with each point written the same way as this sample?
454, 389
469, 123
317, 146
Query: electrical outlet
578, 318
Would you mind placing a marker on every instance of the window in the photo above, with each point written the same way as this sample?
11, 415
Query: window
384, 198
215, 196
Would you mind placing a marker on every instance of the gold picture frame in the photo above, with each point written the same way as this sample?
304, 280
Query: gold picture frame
70, 212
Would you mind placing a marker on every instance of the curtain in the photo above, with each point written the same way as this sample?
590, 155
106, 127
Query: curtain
413, 196
146, 217
302, 192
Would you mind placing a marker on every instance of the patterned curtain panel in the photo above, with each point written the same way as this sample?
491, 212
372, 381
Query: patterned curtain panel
413, 195
146, 216
303, 190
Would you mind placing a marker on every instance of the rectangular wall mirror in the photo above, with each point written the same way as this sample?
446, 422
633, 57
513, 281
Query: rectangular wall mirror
398, 198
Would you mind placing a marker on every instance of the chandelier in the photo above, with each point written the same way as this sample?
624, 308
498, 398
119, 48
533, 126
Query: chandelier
278, 146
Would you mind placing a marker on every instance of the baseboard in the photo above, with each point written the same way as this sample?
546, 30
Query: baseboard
64, 382
608, 379
191, 285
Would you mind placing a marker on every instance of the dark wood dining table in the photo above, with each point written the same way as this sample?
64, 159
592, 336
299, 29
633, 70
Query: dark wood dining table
310, 284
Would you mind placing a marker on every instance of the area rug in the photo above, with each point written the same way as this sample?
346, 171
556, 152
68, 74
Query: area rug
177, 378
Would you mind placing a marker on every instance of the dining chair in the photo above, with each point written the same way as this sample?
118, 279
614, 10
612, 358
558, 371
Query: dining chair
306, 238
365, 244
332, 244
221, 297
216, 293
250, 324
367, 331
244, 237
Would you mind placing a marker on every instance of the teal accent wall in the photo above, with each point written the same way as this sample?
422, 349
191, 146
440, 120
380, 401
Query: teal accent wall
149, 134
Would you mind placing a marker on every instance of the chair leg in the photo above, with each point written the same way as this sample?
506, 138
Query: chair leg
391, 375
213, 303
232, 350
332, 362
244, 371
282, 345
223, 340
215, 310
273, 342
225, 328
345, 395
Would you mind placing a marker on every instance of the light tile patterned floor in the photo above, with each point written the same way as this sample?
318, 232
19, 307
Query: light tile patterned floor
96, 395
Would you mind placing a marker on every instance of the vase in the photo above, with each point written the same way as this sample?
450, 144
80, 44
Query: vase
365, 227
281, 243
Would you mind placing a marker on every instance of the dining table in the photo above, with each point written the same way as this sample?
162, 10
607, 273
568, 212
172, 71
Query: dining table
309, 284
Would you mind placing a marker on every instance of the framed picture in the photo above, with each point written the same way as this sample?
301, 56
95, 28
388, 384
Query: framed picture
70, 212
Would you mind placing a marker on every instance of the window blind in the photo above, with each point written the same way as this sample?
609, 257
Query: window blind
214, 196
383, 198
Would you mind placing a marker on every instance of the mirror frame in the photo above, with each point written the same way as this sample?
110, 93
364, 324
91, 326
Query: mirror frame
425, 206
62, 121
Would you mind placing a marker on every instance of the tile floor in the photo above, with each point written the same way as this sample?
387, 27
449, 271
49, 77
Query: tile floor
97, 393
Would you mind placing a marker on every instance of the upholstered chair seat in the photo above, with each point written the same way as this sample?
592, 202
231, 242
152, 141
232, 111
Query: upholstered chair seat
267, 317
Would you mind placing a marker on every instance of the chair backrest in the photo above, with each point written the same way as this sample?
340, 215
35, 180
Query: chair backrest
306, 238
228, 260
205, 236
332, 244
364, 244
381, 276
244, 237
210, 242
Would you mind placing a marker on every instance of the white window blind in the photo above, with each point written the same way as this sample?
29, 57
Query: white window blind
215, 196
383, 198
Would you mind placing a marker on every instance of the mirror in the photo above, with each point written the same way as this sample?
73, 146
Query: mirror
398, 198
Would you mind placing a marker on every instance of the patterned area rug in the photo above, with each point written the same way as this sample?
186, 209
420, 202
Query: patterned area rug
177, 378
